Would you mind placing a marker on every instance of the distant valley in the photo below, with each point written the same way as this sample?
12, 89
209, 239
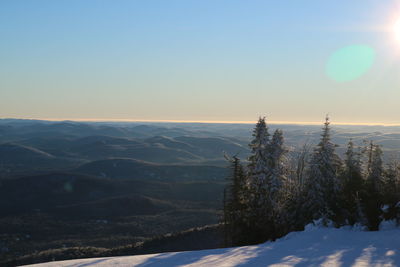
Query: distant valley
106, 185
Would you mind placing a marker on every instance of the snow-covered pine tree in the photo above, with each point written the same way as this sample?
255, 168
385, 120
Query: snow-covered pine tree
257, 160
257, 167
276, 164
375, 167
372, 200
322, 184
292, 194
277, 175
260, 205
391, 191
353, 185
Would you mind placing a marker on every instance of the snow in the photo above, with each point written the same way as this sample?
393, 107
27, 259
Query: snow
387, 225
316, 246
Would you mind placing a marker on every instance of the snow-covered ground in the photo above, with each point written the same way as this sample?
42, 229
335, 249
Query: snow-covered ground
313, 247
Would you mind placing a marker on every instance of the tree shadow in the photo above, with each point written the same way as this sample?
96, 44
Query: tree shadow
320, 248
91, 262
334, 249
202, 257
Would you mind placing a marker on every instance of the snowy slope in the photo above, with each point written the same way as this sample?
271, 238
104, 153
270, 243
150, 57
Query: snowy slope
312, 247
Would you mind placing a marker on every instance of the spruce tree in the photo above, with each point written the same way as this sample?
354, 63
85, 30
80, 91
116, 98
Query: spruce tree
292, 213
391, 192
235, 206
276, 164
373, 188
257, 161
323, 185
277, 167
262, 214
297, 195
353, 185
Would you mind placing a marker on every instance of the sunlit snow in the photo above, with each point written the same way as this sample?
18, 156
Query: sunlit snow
313, 247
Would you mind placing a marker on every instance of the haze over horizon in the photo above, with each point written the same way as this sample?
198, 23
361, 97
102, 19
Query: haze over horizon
305, 123
192, 61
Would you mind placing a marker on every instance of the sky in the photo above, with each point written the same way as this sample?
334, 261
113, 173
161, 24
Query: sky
227, 60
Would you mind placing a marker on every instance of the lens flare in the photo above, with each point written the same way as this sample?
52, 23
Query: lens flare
350, 63
68, 187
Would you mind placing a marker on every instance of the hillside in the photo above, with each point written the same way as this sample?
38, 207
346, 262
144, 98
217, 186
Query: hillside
206, 237
62, 209
103, 186
133, 169
312, 247
36, 147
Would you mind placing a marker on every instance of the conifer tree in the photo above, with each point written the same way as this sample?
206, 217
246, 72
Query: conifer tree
297, 216
276, 164
235, 206
260, 206
353, 185
257, 167
277, 171
292, 213
323, 185
391, 192
257, 160
270, 199
373, 189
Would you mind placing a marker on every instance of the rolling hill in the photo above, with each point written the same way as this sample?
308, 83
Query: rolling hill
134, 169
55, 210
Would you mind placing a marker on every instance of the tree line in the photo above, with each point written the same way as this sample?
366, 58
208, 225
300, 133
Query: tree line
275, 192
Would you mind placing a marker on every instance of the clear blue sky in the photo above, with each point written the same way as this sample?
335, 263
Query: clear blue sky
196, 60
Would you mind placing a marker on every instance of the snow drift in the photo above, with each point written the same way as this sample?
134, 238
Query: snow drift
316, 246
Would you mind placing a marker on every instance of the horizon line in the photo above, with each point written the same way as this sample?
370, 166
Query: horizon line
210, 121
